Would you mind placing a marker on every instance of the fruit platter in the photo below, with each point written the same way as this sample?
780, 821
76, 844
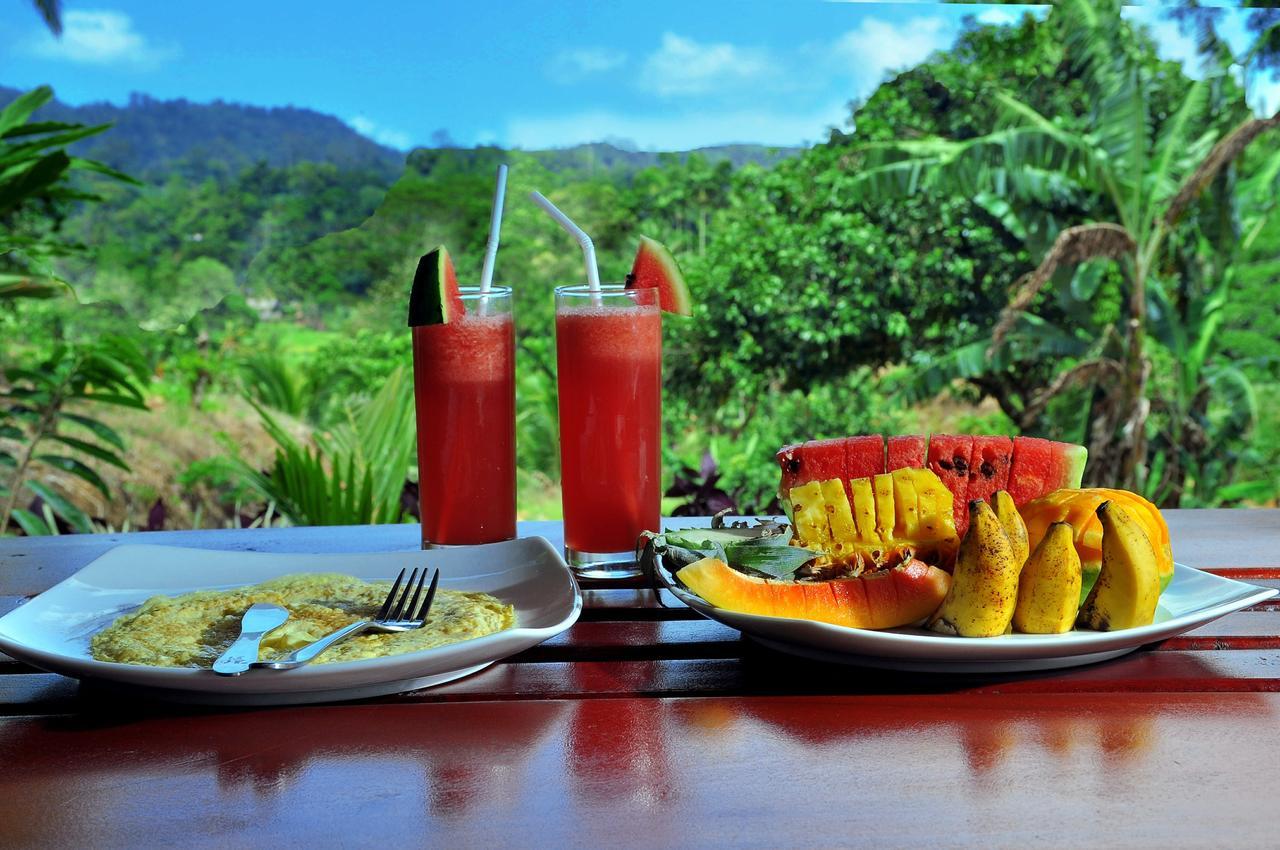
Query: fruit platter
952, 553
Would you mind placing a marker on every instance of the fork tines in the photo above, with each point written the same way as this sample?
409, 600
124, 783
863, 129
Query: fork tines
407, 608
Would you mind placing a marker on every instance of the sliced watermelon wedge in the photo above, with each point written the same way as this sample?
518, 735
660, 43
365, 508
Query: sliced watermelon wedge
989, 467
949, 457
655, 267
435, 298
905, 452
1042, 466
970, 467
821, 460
863, 458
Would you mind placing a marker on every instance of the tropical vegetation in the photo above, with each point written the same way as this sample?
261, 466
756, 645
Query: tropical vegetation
1046, 229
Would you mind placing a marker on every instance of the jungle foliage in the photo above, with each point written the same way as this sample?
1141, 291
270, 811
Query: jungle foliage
1046, 229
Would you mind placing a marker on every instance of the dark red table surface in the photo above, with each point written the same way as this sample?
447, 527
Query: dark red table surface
649, 726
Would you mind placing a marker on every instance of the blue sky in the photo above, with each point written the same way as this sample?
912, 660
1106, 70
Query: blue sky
656, 74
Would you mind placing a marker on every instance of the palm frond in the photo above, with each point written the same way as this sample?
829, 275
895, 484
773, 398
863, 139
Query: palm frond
352, 476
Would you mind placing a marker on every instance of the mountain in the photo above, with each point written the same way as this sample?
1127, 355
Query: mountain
153, 139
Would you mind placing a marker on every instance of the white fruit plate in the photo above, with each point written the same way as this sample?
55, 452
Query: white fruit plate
52, 631
1192, 599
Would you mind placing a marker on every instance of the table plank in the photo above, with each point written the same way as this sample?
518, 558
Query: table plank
1036, 770
750, 671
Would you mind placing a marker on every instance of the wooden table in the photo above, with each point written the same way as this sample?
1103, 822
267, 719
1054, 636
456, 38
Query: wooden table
649, 726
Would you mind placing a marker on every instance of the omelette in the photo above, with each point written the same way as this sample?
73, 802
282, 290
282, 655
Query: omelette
193, 629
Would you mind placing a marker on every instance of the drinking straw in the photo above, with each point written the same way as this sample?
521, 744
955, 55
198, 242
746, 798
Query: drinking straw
495, 228
588, 248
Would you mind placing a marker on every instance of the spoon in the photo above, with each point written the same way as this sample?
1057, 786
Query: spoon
261, 618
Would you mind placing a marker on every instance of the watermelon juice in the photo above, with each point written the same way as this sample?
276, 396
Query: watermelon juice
609, 363
464, 389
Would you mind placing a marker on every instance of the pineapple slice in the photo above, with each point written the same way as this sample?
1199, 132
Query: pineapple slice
812, 526
934, 503
864, 511
876, 522
844, 532
905, 502
885, 513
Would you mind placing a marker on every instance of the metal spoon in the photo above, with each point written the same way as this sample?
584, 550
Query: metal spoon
257, 621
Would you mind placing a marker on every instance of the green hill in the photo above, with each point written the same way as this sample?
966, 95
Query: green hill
153, 139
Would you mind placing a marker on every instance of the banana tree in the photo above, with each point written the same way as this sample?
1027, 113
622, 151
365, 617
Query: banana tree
1138, 175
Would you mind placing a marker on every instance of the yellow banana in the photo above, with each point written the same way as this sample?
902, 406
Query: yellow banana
1128, 585
1011, 521
1049, 587
984, 585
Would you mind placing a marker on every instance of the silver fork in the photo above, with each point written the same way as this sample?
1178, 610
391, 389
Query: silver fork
399, 613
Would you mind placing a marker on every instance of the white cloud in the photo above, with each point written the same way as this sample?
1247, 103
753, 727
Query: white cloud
997, 16
101, 37
678, 131
569, 66
382, 135
682, 66
878, 46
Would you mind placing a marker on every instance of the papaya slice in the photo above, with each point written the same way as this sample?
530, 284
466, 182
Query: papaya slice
885, 599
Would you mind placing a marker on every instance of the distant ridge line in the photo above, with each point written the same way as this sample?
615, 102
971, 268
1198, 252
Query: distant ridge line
153, 139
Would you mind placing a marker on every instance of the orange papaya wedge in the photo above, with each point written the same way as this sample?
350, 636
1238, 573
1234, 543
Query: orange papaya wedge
904, 594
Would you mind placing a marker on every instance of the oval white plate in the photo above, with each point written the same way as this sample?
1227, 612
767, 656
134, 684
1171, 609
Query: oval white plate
52, 631
1192, 599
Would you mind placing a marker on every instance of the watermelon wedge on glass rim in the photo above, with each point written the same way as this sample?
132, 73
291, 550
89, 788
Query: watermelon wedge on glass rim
654, 267
435, 298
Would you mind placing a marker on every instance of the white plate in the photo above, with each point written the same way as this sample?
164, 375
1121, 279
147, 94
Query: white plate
1192, 599
52, 631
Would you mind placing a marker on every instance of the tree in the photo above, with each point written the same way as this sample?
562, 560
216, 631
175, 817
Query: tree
1147, 171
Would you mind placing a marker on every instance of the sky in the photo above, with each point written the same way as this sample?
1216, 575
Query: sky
649, 74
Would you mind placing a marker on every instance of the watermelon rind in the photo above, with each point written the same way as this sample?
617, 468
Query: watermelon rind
655, 267
435, 298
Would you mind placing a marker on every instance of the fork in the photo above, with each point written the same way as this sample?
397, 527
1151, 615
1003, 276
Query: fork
399, 613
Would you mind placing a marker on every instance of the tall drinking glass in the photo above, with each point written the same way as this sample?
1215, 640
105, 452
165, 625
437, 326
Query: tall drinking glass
609, 364
464, 389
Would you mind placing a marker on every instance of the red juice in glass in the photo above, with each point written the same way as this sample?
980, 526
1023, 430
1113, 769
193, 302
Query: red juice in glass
464, 390
609, 364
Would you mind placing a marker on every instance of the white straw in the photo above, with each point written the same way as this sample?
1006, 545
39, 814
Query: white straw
495, 229
588, 248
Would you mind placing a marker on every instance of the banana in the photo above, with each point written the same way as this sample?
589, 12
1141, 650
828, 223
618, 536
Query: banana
1128, 585
1049, 587
1011, 521
984, 585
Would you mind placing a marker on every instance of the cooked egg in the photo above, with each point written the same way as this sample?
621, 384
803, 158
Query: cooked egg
193, 629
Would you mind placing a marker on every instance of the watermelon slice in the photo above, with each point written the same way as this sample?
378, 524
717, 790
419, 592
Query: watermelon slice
655, 267
822, 459
863, 458
989, 467
970, 467
905, 452
435, 298
1042, 466
949, 457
